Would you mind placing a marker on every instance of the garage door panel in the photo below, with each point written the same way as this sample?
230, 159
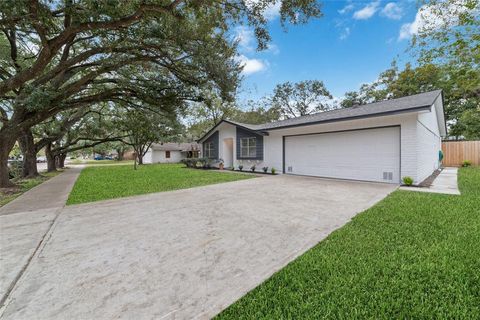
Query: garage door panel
359, 155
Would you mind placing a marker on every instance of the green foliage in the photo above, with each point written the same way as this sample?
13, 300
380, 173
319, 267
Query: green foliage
107, 182
466, 163
15, 169
449, 31
460, 85
273, 170
414, 255
301, 98
470, 124
408, 181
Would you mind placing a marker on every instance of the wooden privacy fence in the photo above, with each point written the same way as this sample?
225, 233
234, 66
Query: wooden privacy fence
455, 152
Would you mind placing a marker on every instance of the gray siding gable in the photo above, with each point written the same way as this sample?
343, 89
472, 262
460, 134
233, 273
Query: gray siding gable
213, 138
242, 133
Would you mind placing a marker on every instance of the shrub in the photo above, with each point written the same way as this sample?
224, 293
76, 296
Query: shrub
273, 170
466, 163
240, 167
408, 181
265, 169
253, 168
15, 169
189, 162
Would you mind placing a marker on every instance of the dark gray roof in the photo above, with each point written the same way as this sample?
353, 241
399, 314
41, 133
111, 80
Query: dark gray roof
411, 103
399, 105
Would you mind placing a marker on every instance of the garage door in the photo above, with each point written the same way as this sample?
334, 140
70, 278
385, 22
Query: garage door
369, 155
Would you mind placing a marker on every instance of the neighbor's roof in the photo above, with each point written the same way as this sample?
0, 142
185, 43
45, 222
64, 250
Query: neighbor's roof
411, 103
173, 146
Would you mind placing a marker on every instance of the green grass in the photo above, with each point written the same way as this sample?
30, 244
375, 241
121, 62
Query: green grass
23, 186
412, 256
100, 162
108, 182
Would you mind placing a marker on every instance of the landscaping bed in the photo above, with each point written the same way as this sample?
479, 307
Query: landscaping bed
412, 256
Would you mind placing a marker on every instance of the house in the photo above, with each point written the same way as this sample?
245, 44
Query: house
170, 152
382, 141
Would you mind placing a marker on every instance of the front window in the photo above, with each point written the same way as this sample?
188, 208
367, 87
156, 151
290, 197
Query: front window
209, 149
167, 154
248, 147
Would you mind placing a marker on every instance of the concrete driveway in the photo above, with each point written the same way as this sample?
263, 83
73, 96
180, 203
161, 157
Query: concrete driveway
183, 254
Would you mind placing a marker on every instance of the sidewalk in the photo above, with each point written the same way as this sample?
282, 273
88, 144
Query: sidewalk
446, 183
24, 223
53, 193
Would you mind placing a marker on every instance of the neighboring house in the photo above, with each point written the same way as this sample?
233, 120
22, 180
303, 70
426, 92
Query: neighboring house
382, 141
170, 152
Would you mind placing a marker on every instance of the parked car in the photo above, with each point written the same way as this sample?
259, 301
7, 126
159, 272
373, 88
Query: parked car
108, 158
41, 159
98, 158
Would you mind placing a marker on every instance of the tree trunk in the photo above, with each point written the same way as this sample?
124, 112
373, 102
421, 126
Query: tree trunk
61, 160
120, 153
140, 159
27, 145
7, 141
51, 165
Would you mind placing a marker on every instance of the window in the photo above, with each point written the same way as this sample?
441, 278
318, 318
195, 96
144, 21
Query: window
209, 150
248, 147
167, 154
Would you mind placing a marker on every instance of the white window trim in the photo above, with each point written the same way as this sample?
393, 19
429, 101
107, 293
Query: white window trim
208, 149
248, 147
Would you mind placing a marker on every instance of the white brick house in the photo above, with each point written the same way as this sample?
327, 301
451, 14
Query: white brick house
382, 141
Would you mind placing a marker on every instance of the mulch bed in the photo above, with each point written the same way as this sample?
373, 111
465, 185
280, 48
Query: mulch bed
428, 182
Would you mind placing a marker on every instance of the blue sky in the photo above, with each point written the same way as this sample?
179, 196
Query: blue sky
351, 44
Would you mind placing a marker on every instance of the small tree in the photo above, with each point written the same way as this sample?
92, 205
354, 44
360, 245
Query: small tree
144, 127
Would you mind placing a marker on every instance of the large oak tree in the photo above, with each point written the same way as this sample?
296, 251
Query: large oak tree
65, 55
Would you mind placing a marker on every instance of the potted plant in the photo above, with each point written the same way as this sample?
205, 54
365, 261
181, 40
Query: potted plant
265, 169
240, 167
253, 168
220, 165
273, 170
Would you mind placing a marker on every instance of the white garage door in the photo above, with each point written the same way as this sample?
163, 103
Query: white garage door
370, 155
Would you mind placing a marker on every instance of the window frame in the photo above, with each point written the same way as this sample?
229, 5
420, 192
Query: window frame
209, 149
249, 147
167, 154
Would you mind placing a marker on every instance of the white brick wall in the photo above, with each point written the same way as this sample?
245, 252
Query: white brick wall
428, 144
419, 150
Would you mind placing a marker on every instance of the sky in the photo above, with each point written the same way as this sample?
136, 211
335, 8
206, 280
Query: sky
351, 44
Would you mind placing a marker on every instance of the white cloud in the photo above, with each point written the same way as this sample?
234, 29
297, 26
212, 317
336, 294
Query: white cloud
366, 12
251, 66
433, 17
273, 48
347, 8
245, 38
271, 12
392, 11
345, 33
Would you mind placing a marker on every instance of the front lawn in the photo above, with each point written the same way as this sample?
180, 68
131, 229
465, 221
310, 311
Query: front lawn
413, 255
108, 182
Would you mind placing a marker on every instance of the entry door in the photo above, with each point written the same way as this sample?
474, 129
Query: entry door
369, 155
